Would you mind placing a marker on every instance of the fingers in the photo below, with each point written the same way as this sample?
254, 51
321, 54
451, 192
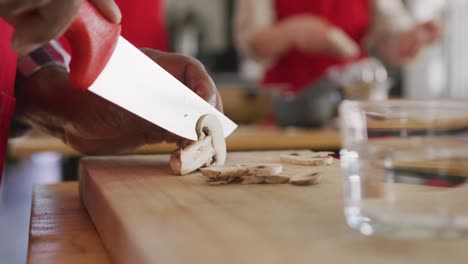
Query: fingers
193, 74
412, 42
10, 8
44, 24
201, 83
39, 21
312, 34
342, 44
190, 72
432, 31
108, 9
410, 45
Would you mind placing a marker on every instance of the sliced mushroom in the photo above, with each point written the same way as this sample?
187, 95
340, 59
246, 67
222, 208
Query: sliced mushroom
308, 178
209, 125
224, 172
225, 181
252, 179
263, 169
278, 179
254, 173
218, 182
308, 158
185, 161
210, 149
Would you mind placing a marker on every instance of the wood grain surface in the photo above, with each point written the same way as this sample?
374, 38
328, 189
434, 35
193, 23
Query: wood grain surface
61, 230
245, 138
396, 124
145, 215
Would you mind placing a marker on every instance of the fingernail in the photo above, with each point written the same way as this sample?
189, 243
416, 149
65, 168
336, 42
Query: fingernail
117, 14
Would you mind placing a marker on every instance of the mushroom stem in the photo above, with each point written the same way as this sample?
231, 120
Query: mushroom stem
210, 149
193, 157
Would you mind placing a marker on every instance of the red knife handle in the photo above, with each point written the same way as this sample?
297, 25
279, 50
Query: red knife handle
92, 41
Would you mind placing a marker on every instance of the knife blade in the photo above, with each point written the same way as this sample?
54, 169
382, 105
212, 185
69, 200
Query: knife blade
136, 83
132, 80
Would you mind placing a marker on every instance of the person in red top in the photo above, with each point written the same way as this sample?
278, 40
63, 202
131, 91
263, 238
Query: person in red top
298, 41
44, 96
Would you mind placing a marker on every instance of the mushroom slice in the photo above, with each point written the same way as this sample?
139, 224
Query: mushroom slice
254, 173
210, 149
308, 158
209, 125
252, 179
278, 179
216, 182
224, 172
309, 178
263, 169
185, 161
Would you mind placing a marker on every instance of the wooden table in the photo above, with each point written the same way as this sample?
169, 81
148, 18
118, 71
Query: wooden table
245, 138
62, 232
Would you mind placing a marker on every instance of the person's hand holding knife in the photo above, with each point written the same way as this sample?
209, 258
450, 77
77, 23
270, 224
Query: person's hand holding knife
82, 119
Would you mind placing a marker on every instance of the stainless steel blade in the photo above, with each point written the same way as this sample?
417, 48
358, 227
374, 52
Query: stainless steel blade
139, 85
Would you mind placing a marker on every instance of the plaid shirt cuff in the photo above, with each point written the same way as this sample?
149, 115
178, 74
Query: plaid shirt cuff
50, 54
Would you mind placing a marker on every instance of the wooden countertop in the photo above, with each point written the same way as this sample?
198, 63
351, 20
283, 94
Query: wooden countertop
61, 230
245, 138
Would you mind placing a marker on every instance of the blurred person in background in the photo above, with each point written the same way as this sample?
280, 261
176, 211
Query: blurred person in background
298, 41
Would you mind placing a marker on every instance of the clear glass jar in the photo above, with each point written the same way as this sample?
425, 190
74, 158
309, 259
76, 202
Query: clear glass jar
405, 164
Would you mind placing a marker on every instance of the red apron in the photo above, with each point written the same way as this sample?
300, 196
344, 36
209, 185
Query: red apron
143, 24
7, 81
296, 69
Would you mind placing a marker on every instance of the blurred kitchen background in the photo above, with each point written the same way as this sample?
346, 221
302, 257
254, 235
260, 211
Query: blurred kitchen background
203, 29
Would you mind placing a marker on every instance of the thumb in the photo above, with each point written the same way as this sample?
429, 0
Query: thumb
342, 44
109, 9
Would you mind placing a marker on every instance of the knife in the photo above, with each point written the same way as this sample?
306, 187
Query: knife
106, 64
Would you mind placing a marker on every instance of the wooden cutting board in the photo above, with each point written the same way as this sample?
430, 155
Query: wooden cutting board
60, 230
143, 214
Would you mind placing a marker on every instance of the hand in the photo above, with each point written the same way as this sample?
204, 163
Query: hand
410, 43
413, 41
38, 21
313, 34
91, 124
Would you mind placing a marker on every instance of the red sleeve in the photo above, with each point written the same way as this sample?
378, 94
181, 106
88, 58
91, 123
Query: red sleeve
8, 59
7, 82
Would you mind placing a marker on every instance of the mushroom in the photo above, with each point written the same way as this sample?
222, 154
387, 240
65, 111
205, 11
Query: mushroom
224, 172
253, 173
308, 158
210, 149
263, 169
308, 178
